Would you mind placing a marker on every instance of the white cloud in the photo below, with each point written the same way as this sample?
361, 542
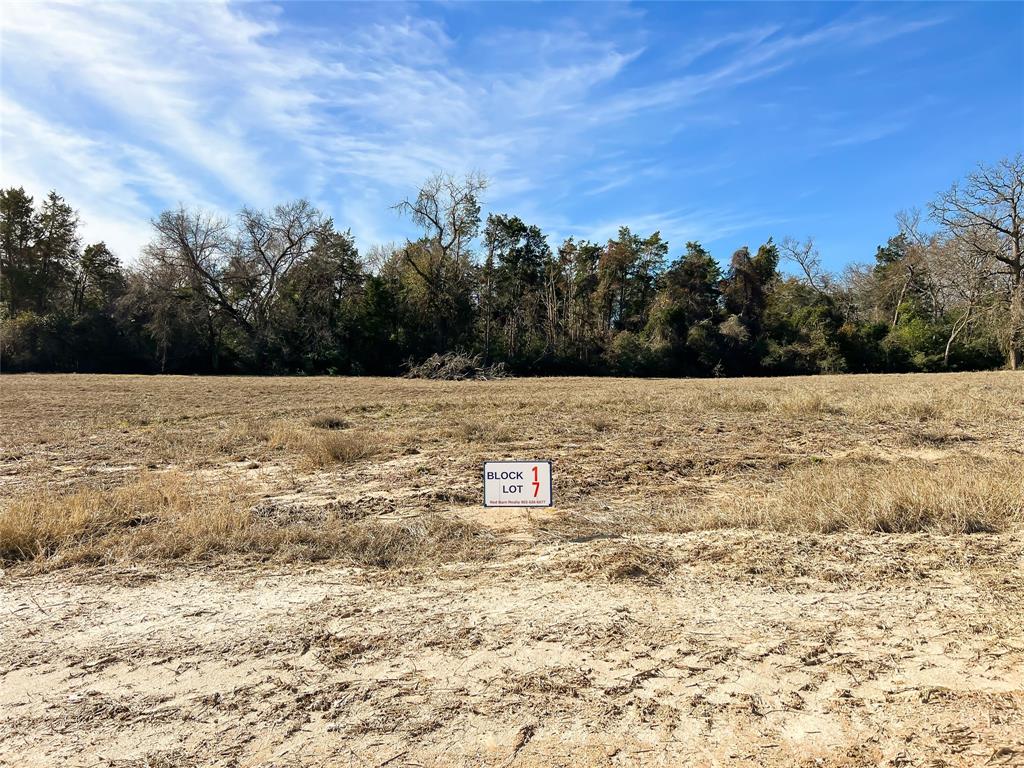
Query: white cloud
677, 226
129, 108
40, 156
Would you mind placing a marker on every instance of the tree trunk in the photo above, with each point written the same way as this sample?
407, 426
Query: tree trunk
899, 302
958, 327
1016, 320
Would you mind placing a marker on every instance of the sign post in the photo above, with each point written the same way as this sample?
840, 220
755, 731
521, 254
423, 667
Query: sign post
517, 484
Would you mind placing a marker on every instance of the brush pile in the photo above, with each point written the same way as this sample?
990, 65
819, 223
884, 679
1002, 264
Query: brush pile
455, 366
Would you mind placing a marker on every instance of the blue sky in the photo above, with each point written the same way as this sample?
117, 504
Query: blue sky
721, 122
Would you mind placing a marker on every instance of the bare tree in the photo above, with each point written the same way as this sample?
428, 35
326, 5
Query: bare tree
268, 246
919, 264
855, 289
806, 256
962, 283
380, 256
448, 210
238, 268
197, 244
986, 213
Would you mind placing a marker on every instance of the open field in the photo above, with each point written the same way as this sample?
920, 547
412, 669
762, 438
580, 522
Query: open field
817, 571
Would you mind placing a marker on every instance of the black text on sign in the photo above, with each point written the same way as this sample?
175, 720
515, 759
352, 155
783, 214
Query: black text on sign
517, 484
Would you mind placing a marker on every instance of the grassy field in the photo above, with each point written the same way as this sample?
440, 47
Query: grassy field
256, 571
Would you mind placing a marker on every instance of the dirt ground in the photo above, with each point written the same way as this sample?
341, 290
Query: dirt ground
623, 627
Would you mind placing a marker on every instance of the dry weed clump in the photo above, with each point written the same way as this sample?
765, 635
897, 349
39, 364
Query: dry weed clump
482, 431
808, 402
889, 406
321, 444
33, 526
327, 421
917, 435
167, 517
728, 401
599, 423
629, 561
341, 448
429, 539
177, 445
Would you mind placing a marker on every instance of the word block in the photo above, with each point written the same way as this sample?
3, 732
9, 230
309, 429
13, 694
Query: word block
517, 484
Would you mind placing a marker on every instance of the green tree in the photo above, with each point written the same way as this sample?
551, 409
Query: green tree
99, 280
802, 331
317, 318
18, 232
56, 251
686, 311
579, 265
628, 275
745, 292
520, 255
40, 251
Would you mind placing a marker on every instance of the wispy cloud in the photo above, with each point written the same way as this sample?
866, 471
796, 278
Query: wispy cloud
867, 134
110, 184
129, 108
678, 226
755, 55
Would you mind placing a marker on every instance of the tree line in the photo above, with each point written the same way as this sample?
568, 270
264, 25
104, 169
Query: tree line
286, 291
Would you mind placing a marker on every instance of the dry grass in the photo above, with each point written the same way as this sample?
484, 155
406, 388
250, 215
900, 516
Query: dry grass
433, 539
167, 517
163, 516
335, 448
867, 496
733, 402
600, 423
339, 460
903, 497
483, 430
724, 573
804, 402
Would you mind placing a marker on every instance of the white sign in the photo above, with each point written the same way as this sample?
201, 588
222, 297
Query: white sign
517, 484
